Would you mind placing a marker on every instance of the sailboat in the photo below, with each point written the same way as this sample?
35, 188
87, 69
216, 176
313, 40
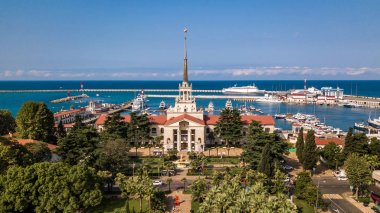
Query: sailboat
279, 115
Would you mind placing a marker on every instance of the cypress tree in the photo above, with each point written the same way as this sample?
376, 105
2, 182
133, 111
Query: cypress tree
348, 142
310, 155
61, 132
265, 163
300, 145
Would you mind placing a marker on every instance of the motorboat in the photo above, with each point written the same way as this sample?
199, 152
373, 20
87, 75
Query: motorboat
210, 107
228, 104
250, 89
360, 126
162, 105
350, 105
280, 116
254, 109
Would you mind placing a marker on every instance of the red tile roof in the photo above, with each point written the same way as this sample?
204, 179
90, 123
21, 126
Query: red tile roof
207, 120
187, 117
246, 119
157, 119
25, 141
325, 141
70, 125
62, 113
153, 119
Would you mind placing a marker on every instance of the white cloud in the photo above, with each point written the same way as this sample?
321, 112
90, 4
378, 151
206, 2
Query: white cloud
270, 72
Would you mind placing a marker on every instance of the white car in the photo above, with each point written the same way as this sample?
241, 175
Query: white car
342, 177
157, 183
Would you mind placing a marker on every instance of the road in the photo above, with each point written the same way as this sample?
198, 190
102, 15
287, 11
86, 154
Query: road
332, 190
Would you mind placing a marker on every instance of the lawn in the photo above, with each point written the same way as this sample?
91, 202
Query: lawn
195, 206
117, 205
303, 206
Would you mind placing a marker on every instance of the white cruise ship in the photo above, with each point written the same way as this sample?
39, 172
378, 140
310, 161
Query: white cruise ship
139, 103
251, 89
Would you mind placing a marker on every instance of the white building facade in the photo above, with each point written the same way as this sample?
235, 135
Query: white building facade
187, 128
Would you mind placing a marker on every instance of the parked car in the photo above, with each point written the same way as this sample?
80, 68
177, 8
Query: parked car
340, 174
342, 177
157, 183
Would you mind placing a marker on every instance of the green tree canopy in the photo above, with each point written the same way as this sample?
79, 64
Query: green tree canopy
60, 132
358, 172
355, 143
333, 155
306, 190
229, 195
116, 126
13, 154
138, 187
310, 154
374, 147
112, 155
198, 189
35, 121
79, 145
39, 150
7, 122
265, 166
229, 126
138, 129
49, 187
300, 145
257, 139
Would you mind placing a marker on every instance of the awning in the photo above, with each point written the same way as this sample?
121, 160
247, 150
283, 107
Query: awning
373, 196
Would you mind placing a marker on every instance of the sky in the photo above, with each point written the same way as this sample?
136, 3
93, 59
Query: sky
143, 40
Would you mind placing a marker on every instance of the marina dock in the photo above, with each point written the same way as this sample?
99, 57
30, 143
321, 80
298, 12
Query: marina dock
232, 97
69, 98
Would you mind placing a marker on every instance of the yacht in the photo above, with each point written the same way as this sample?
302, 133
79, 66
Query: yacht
269, 99
243, 108
250, 89
350, 105
139, 103
228, 104
360, 126
210, 107
280, 116
374, 122
254, 109
162, 105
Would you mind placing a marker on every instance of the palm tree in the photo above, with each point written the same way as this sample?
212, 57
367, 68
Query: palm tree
169, 181
184, 180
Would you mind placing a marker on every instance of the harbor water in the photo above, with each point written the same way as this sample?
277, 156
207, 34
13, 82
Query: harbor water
332, 115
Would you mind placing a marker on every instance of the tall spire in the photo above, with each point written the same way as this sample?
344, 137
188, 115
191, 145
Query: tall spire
185, 78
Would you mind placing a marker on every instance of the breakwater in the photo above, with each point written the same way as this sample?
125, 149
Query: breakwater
69, 98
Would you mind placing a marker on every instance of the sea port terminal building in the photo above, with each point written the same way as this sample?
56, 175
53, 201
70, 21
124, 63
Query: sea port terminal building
187, 128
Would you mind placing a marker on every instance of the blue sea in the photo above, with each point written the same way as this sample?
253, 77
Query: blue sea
332, 115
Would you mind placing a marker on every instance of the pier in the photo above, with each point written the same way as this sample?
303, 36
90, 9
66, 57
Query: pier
69, 98
362, 101
105, 90
232, 97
